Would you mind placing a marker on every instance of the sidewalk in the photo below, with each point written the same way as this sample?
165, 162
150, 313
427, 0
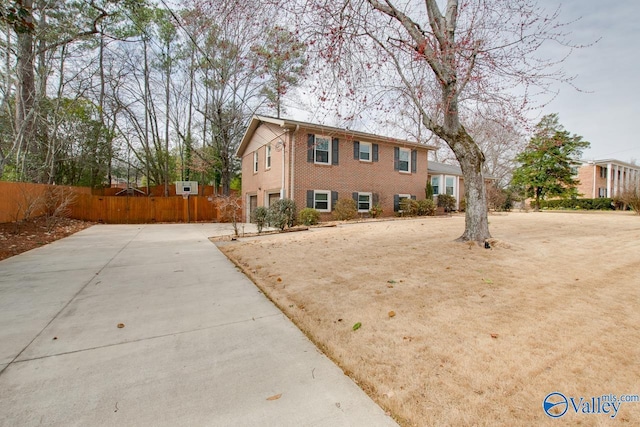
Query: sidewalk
200, 345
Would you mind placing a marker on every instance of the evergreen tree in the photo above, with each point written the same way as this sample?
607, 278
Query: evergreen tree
547, 164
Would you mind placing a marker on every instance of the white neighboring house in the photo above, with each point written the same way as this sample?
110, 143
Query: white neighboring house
446, 179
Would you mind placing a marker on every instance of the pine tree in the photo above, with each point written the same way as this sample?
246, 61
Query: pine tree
548, 163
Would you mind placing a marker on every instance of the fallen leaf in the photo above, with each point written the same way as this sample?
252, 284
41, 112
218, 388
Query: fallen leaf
275, 397
494, 335
489, 281
120, 325
392, 313
357, 326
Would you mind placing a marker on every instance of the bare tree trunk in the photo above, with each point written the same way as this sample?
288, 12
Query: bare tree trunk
188, 142
52, 147
476, 220
167, 87
5, 104
101, 105
25, 96
471, 161
146, 110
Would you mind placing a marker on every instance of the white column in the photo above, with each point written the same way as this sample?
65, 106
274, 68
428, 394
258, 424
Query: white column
609, 177
594, 185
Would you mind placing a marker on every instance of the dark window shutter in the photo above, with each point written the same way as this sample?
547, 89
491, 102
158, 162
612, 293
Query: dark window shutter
413, 197
355, 197
356, 150
396, 158
375, 152
414, 160
396, 202
311, 140
310, 199
334, 155
376, 198
334, 199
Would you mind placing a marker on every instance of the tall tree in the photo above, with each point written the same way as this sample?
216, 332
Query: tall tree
448, 61
548, 163
230, 70
283, 61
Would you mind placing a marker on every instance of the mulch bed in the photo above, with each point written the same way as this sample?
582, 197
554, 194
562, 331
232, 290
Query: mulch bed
23, 236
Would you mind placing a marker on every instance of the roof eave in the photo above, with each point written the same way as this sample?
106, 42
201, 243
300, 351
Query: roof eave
256, 120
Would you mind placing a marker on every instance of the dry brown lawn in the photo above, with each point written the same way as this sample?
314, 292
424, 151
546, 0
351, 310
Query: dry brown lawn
479, 336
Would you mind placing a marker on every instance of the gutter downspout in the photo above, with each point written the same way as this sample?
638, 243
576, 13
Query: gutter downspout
283, 193
292, 160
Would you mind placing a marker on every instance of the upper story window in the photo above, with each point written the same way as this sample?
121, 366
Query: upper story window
255, 161
365, 152
322, 150
603, 172
267, 160
404, 160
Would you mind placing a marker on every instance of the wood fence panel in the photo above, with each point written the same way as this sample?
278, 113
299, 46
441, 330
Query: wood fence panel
111, 209
16, 198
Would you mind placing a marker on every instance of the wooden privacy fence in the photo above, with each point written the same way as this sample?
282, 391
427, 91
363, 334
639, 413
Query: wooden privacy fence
20, 199
134, 210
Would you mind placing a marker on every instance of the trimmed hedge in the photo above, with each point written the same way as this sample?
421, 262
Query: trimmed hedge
584, 204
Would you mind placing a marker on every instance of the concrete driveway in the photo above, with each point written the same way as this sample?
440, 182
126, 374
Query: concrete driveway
200, 345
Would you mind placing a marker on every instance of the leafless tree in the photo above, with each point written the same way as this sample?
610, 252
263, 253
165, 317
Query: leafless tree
449, 61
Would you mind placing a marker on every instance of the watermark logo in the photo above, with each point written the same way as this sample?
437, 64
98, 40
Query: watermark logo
557, 404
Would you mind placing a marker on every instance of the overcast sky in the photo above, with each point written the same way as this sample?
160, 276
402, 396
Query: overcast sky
610, 71
606, 109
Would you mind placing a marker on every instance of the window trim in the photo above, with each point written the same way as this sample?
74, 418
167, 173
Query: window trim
329, 149
368, 144
267, 157
255, 161
408, 151
328, 194
370, 201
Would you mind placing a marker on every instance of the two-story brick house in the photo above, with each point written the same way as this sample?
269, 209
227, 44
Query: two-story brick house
606, 178
316, 165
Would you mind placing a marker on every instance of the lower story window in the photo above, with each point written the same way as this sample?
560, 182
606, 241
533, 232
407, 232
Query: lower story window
449, 183
364, 202
435, 184
397, 201
321, 200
